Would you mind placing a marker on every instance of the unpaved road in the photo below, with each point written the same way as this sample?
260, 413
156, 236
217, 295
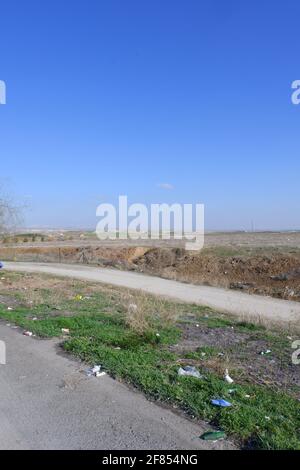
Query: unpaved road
47, 402
238, 303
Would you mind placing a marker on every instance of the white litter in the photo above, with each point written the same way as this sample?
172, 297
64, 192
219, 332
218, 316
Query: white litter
27, 333
189, 371
268, 351
95, 372
100, 374
65, 330
227, 377
9, 308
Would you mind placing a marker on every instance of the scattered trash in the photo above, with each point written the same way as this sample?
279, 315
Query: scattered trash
95, 371
231, 391
221, 402
247, 396
65, 330
118, 348
197, 325
27, 333
227, 377
100, 374
158, 335
213, 435
268, 351
268, 418
9, 308
189, 371
78, 297
34, 319
220, 354
1, 265
203, 354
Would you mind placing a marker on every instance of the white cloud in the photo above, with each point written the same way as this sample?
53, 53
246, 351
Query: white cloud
167, 186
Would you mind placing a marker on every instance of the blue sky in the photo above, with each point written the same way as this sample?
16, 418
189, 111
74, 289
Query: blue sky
165, 101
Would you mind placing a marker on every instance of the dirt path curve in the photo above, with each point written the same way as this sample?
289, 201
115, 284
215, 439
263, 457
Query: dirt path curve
47, 402
249, 306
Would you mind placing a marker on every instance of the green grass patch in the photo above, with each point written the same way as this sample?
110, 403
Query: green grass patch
260, 416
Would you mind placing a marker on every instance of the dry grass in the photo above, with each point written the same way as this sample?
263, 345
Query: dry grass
141, 310
144, 310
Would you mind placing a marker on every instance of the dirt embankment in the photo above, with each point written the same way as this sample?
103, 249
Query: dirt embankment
277, 275
274, 274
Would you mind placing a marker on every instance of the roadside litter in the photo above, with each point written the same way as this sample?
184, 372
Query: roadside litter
213, 435
65, 330
1, 265
9, 308
78, 297
221, 402
268, 351
227, 377
28, 333
189, 371
95, 372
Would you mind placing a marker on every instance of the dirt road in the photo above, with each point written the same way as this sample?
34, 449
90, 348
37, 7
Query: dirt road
238, 303
47, 402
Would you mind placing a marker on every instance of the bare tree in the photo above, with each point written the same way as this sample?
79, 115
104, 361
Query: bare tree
9, 213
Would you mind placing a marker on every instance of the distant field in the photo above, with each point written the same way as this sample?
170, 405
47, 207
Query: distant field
249, 240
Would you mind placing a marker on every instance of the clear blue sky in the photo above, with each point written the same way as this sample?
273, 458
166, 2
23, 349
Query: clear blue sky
120, 96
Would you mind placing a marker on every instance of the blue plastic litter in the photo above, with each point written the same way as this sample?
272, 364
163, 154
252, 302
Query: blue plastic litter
1, 265
221, 402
